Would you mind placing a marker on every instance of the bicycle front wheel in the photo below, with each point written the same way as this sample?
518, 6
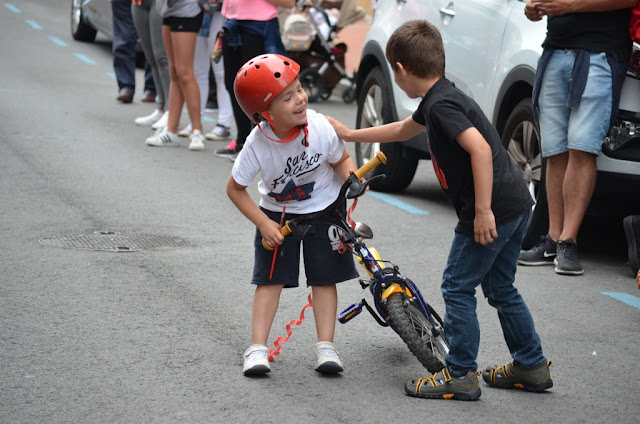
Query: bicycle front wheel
417, 332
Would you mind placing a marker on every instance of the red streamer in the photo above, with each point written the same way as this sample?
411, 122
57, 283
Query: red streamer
275, 251
274, 352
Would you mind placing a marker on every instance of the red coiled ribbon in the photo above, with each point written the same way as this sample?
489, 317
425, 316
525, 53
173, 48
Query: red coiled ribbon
274, 352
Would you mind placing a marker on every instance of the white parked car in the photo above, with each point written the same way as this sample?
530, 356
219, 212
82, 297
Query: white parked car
90, 16
492, 51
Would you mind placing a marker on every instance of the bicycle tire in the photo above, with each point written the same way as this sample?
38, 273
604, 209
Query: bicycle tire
416, 331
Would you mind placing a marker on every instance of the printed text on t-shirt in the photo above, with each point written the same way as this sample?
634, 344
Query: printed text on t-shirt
297, 166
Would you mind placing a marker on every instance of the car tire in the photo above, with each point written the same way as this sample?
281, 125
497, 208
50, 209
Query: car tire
80, 31
521, 138
374, 108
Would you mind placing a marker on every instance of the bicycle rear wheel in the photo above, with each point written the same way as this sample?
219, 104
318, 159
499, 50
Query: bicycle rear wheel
417, 332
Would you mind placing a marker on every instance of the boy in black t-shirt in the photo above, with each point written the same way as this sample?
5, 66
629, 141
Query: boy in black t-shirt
493, 207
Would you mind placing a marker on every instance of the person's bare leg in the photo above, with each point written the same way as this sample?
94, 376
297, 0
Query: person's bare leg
579, 183
265, 305
325, 306
176, 100
184, 44
555, 177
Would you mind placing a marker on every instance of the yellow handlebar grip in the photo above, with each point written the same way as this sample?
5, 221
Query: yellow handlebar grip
368, 167
285, 231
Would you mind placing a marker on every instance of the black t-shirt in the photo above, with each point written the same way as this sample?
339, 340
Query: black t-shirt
446, 112
597, 32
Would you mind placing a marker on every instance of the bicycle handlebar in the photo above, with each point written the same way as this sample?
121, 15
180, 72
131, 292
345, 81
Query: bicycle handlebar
379, 159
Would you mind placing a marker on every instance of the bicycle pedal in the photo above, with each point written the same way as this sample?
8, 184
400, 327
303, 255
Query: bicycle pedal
351, 312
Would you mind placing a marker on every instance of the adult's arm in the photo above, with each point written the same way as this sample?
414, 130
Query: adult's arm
562, 7
283, 3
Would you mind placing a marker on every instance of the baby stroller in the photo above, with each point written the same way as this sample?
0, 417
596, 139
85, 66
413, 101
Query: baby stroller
308, 33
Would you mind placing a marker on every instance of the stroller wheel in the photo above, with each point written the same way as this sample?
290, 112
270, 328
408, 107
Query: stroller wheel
311, 82
326, 94
348, 95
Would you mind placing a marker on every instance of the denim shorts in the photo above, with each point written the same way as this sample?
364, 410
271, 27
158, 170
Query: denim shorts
585, 127
325, 261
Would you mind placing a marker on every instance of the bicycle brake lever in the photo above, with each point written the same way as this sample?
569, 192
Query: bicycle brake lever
358, 188
300, 230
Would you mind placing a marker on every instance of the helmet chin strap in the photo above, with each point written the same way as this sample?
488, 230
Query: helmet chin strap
293, 133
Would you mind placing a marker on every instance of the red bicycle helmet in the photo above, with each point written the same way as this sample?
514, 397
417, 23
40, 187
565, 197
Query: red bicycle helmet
260, 80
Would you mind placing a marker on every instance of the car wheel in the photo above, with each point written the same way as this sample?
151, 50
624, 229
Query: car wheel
521, 138
373, 110
80, 30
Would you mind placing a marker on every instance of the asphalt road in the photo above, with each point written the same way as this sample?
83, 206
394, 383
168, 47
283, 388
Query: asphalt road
157, 335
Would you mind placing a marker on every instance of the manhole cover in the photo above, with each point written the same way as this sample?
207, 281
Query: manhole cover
115, 242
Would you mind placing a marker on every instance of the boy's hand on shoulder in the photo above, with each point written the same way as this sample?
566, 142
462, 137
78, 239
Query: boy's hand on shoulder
341, 130
270, 231
484, 227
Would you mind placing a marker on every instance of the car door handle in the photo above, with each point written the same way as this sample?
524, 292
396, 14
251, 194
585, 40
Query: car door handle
448, 12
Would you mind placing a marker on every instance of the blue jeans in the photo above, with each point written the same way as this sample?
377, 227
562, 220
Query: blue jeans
471, 264
124, 44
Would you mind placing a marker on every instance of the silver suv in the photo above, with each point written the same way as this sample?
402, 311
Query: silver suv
492, 51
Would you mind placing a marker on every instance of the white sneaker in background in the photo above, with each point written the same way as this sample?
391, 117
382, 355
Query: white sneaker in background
162, 122
219, 133
256, 360
186, 131
197, 141
163, 139
327, 359
147, 121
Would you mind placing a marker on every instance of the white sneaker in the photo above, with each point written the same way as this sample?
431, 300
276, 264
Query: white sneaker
220, 132
186, 131
197, 141
327, 359
147, 121
163, 139
162, 122
256, 360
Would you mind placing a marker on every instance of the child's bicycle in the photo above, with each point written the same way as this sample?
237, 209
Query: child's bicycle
398, 302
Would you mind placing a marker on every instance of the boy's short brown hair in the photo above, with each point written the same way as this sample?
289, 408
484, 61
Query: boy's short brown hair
417, 45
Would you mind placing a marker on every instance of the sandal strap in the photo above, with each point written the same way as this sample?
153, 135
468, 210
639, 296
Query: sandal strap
430, 381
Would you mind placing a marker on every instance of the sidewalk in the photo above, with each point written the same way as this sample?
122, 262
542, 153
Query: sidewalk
353, 36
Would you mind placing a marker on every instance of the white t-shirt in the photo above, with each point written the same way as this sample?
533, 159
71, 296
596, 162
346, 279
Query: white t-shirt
292, 174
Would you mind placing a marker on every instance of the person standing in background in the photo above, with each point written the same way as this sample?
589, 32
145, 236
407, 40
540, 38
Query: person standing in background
124, 51
211, 24
148, 24
577, 89
181, 22
251, 28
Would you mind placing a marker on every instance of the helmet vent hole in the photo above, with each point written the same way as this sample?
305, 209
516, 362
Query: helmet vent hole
277, 75
257, 66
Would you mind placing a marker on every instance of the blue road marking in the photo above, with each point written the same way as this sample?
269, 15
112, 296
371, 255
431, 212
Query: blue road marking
398, 203
85, 59
624, 298
57, 41
12, 8
33, 24
111, 75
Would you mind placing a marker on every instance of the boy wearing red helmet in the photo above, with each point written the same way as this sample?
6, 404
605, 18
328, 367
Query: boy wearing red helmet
302, 165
